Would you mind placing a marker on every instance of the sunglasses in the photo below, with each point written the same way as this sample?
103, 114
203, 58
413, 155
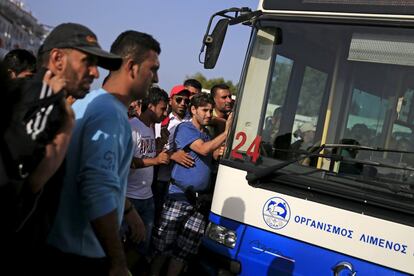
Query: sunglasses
178, 100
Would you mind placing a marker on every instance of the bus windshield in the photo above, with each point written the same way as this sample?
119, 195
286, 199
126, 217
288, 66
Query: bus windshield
318, 84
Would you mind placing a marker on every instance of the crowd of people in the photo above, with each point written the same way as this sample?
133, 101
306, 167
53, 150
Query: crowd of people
115, 181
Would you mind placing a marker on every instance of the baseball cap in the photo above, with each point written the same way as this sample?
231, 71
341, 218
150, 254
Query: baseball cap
76, 36
179, 89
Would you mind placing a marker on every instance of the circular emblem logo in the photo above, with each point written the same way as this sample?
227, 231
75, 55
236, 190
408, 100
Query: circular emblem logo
276, 212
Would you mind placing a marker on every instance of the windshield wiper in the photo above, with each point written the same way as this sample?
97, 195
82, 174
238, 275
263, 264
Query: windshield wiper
359, 147
252, 177
377, 164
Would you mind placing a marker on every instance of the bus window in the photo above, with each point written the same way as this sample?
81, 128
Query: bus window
295, 101
405, 113
309, 104
327, 84
278, 89
253, 92
366, 118
402, 129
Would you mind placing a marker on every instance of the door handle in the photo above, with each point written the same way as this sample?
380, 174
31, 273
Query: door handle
341, 266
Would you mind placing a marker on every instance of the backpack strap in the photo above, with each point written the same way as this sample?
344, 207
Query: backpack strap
175, 137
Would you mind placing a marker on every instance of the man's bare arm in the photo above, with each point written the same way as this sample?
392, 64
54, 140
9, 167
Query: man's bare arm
106, 230
162, 158
205, 148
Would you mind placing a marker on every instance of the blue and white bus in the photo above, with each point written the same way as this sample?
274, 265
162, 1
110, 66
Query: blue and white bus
318, 176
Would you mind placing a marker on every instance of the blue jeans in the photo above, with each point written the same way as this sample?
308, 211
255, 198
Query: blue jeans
146, 210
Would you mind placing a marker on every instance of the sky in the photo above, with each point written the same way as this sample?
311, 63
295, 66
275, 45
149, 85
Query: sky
179, 26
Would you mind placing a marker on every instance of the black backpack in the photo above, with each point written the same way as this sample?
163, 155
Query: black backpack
34, 115
35, 118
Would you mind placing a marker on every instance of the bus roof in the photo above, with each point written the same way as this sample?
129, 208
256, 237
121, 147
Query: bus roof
361, 8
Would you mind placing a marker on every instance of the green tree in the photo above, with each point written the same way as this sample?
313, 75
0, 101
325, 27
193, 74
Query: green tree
209, 83
280, 82
312, 91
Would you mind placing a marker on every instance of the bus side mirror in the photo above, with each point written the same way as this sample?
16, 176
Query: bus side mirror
214, 42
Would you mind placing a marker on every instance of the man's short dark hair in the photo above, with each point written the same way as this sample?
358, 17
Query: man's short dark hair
20, 60
42, 57
135, 45
155, 95
193, 83
214, 89
201, 99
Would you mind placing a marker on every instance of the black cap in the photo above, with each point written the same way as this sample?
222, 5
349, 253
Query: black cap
76, 36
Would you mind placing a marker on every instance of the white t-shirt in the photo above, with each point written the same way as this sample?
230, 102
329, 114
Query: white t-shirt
140, 180
164, 172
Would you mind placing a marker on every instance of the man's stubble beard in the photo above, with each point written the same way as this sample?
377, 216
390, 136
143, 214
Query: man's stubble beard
73, 85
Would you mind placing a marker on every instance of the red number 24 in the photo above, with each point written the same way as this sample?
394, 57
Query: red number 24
253, 151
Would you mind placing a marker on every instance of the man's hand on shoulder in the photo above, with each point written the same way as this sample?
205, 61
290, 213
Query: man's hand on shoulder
182, 158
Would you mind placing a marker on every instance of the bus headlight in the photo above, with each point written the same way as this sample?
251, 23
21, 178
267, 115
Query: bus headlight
221, 235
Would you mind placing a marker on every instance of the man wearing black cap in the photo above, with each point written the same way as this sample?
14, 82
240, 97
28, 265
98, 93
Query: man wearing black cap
72, 52
84, 238
69, 56
67, 63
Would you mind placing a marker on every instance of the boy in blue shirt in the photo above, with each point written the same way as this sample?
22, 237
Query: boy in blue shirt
181, 226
